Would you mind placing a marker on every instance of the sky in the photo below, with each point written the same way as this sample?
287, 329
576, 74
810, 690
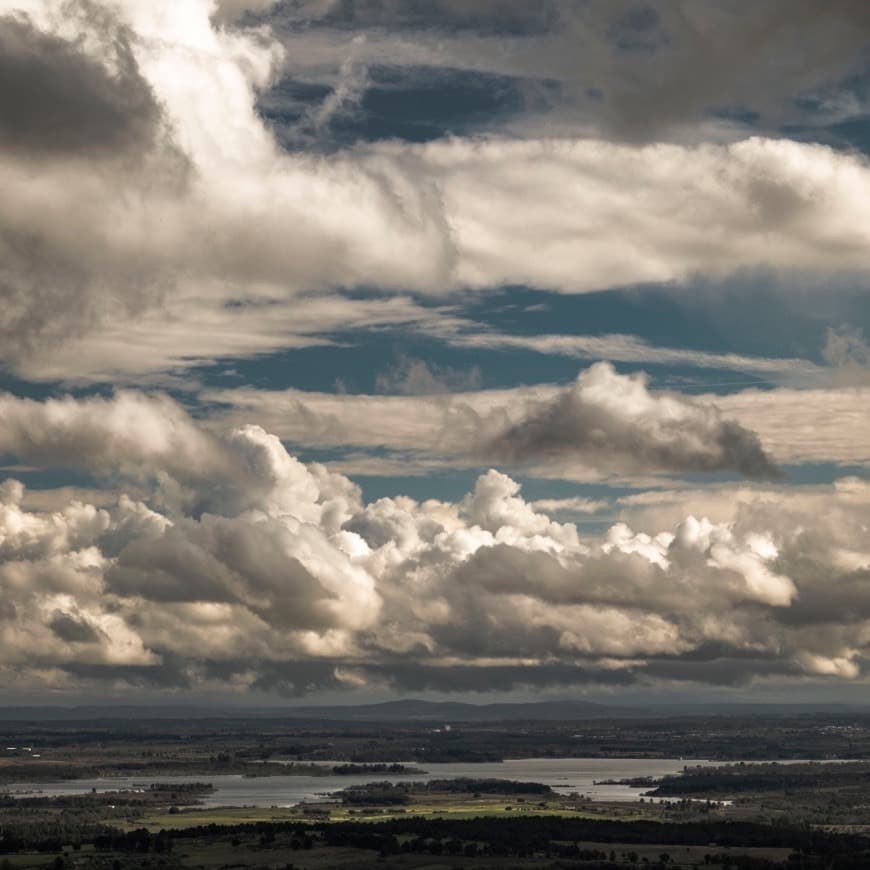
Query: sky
482, 349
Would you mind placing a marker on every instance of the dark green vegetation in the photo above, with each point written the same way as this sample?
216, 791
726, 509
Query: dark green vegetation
834, 795
413, 842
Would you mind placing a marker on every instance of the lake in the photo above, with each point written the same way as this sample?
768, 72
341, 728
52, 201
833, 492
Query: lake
564, 775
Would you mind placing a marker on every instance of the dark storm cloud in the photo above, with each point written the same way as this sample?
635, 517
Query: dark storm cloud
636, 70
735, 57
846, 601
728, 671
172, 672
57, 100
71, 629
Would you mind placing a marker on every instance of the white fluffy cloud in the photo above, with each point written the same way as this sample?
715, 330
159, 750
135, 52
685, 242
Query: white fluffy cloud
184, 205
288, 572
130, 432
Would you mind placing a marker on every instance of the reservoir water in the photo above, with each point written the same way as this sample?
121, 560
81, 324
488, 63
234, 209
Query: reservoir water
564, 775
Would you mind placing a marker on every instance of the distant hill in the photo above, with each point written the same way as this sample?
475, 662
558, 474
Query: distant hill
454, 711
406, 710
418, 710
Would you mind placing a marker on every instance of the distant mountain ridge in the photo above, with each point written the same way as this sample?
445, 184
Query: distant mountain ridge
404, 710
457, 711
411, 710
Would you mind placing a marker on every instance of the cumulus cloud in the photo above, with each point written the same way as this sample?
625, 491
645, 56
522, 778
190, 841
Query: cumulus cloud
96, 578
132, 433
606, 417
425, 434
605, 424
287, 580
152, 441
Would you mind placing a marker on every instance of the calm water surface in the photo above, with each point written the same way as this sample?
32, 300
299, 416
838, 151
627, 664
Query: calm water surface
564, 775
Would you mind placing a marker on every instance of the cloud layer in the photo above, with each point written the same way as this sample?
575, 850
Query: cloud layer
177, 191
283, 579
173, 205
610, 419
623, 69
605, 425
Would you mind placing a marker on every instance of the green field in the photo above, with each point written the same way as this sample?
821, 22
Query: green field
456, 809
